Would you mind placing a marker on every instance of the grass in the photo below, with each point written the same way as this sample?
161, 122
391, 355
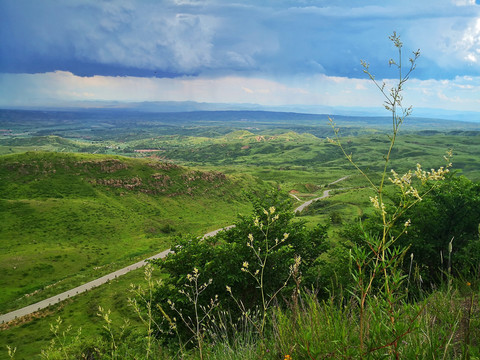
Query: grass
329, 329
63, 224
311, 329
69, 218
33, 334
277, 152
300, 332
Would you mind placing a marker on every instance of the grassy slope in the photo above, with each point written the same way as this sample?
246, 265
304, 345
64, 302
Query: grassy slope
301, 163
296, 161
280, 154
33, 334
305, 163
69, 218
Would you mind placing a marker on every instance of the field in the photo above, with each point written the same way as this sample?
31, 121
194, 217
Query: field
85, 193
70, 218
34, 333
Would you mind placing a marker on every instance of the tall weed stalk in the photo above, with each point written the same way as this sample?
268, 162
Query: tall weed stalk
262, 250
379, 279
196, 325
145, 296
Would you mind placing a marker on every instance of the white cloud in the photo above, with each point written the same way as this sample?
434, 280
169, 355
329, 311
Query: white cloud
464, 2
461, 93
191, 37
150, 35
469, 43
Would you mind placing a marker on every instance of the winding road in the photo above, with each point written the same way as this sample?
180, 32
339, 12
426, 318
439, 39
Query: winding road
16, 314
326, 193
78, 290
306, 203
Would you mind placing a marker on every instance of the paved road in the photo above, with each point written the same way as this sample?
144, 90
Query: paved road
215, 232
326, 193
90, 285
337, 181
104, 279
306, 203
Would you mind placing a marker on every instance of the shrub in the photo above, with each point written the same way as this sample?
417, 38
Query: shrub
223, 257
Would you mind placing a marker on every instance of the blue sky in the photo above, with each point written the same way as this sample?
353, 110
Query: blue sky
272, 52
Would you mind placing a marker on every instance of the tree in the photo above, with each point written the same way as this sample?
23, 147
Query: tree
222, 258
451, 211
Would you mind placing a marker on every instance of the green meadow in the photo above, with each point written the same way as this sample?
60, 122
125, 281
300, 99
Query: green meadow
33, 333
80, 198
70, 218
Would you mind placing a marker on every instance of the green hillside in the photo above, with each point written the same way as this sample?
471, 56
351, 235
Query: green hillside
68, 218
279, 155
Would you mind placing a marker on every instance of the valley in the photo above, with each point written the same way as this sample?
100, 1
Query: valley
86, 193
69, 218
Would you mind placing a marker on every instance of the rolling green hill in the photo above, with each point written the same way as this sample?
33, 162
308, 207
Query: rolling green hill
68, 218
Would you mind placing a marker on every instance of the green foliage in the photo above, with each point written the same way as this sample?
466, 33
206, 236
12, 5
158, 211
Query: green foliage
70, 218
222, 258
451, 211
105, 208
330, 273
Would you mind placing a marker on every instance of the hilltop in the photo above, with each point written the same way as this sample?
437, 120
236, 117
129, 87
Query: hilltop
68, 218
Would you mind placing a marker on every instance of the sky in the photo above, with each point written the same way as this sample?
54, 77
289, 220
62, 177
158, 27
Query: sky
302, 53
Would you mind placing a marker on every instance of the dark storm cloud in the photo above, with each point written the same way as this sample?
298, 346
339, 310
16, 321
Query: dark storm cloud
276, 38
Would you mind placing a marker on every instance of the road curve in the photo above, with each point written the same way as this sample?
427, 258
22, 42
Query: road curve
326, 193
306, 203
89, 285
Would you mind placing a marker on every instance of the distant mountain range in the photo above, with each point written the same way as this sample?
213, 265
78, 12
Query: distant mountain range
187, 106
64, 121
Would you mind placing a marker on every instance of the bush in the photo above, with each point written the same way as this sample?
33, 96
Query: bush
222, 258
450, 211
